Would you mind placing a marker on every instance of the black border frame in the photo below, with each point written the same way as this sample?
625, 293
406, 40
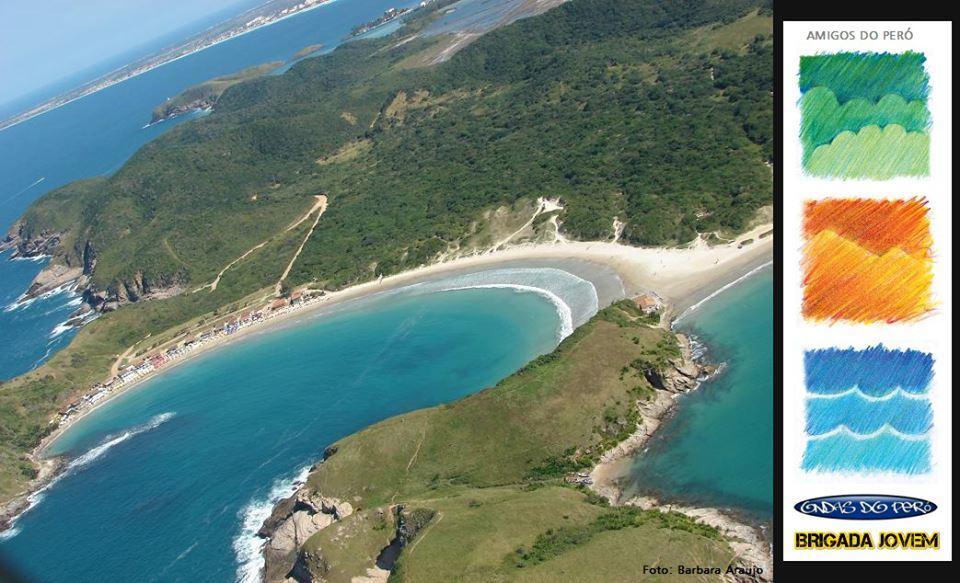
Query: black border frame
825, 12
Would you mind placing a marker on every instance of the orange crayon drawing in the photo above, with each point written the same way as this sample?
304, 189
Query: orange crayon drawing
867, 260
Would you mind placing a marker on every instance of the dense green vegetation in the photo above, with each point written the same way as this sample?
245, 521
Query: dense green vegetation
207, 93
653, 111
490, 468
616, 107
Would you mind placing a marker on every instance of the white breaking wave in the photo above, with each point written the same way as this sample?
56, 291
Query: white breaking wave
885, 429
104, 447
85, 460
574, 298
60, 329
23, 301
721, 290
872, 398
247, 546
566, 314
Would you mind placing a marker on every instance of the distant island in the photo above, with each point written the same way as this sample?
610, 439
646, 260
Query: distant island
388, 15
206, 94
308, 50
268, 13
641, 143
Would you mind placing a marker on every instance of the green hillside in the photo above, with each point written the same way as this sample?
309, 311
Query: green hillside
207, 93
483, 476
617, 107
654, 111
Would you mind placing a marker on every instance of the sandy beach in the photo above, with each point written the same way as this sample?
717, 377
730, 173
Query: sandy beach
683, 276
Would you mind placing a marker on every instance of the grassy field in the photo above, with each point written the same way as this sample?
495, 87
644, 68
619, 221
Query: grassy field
490, 468
608, 104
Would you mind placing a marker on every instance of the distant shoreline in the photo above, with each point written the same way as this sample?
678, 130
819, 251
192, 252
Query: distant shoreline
104, 81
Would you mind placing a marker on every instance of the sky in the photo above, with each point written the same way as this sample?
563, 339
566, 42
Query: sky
45, 41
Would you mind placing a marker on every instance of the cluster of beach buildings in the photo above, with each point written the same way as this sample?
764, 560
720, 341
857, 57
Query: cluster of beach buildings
190, 344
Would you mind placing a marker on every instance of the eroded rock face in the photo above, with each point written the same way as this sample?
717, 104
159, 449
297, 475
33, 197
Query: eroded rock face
43, 243
683, 373
292, 522
53, 276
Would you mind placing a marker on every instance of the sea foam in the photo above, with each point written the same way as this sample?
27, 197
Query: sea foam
84, 460
247, 546
574, 298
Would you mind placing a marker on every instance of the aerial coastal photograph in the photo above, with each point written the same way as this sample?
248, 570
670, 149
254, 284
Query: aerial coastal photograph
387, 290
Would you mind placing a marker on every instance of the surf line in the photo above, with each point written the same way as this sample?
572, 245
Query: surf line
83, 461
740, 279
563, 309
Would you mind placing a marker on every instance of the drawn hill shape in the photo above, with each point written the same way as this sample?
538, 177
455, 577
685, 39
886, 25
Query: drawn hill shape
823, 117
864, 115
875, 153
845, 281
875, 224
867, 76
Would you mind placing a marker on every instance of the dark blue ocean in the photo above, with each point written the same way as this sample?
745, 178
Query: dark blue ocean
171, 480
95, 135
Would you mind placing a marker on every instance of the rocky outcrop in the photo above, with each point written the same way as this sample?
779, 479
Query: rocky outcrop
753, 563
78, 265
292, 522
173, 109
681, 374
37, 245
53, 276
754, 560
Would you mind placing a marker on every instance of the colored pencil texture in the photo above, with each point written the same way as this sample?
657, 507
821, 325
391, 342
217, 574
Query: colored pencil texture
864, 115
867, 410
867, 261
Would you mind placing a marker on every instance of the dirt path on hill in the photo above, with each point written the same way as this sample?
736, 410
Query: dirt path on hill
544, 205
320, 204
320, 207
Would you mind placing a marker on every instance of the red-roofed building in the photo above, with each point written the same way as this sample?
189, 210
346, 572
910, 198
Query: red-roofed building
647, 303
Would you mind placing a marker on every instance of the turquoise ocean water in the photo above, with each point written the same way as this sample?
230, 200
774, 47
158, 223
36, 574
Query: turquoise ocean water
718, 447
170, 481
96, 134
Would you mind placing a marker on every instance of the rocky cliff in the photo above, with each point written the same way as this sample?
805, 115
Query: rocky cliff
292, 522
74, 267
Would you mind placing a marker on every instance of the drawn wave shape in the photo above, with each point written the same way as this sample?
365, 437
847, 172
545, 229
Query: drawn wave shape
896, 392
874, 153
885, 450
904, 415
844, 281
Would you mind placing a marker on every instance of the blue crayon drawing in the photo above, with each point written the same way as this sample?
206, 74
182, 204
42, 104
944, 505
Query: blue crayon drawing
868, 410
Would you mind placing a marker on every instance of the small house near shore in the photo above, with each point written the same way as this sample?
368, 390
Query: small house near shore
648, 303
